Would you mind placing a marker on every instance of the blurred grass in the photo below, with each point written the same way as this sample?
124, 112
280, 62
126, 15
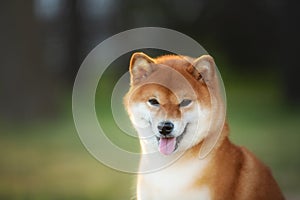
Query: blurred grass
49, 162
46, 160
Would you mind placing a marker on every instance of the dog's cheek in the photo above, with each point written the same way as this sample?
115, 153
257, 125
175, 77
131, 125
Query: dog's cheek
198, 120
193, 114
139, 115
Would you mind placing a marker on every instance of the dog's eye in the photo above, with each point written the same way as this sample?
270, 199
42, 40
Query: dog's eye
153, 102
185, 102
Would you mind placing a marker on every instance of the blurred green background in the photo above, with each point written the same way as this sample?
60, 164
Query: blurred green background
43, 42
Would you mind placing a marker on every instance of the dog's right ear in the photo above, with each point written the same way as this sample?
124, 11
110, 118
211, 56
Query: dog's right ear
140, 67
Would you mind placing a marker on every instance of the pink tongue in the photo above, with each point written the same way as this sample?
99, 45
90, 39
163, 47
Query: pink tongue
167, 145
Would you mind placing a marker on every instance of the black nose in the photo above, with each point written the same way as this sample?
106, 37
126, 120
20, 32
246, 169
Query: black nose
165, 128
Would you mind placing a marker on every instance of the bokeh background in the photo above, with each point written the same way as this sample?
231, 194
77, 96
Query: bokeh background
43, 42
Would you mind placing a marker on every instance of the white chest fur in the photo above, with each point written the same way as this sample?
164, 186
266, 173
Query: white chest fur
174, 182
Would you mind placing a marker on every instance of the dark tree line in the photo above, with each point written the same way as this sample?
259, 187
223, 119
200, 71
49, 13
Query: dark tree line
40, 56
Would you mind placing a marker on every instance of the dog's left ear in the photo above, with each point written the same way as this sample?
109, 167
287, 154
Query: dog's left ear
203, 68
140, 67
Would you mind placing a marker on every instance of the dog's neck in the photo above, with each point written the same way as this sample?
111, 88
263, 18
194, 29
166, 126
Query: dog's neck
184, 171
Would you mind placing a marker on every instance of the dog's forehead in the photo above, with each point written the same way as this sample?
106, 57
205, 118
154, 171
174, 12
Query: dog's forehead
173, 79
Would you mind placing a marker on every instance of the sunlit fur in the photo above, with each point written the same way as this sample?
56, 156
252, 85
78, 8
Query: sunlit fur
228, 172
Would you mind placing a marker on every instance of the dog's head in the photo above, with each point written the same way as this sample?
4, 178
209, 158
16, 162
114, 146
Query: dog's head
170, 100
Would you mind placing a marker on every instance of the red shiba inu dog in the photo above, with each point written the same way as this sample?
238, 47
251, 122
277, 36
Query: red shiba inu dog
175, 103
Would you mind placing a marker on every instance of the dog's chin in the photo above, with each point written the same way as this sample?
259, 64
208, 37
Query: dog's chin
168, 145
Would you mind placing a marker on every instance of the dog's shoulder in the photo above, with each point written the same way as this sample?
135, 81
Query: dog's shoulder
256, 176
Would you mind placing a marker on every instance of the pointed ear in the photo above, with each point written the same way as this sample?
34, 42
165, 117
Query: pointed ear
203, 68
140, 67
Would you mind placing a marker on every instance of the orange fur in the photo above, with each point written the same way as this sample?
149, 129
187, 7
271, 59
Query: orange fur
229, 171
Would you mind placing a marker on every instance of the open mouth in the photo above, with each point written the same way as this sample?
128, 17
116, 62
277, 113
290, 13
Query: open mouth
168, 144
